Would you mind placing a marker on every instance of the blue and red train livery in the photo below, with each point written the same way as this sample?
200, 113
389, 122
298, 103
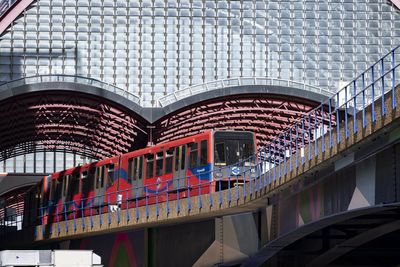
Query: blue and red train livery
193, 165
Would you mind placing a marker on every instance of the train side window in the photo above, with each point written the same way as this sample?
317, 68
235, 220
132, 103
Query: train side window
110, 172
220, 154
169, 156
59, 187
99, 177
203, 153
131, 170
75, 184
159, 163
178, 150
85, 182
149, 165
183, 156
139, 168
65, 185
194, 156
53, 189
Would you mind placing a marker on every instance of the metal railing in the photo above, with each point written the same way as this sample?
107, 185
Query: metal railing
5, 5
239, 81
325, 127
71, 79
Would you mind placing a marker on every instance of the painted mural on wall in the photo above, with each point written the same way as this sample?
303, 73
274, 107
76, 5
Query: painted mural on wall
125, 249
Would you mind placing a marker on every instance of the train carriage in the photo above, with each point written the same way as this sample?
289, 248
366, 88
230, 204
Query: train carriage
199, 164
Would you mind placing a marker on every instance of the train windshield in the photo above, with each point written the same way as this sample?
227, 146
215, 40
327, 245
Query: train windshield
233, 147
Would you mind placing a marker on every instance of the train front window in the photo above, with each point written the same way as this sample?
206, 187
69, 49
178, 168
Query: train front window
233, 151
246, 150
220, 154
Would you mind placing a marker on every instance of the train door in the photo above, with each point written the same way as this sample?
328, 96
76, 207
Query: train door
149, 172
74, 191
135, 176
180, 167
64, 190
100, 188
88, 184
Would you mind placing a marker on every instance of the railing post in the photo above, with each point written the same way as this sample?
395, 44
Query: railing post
244, 185
280, 158
264, 162
237, 185
284, 153
58, 220
355, 128
178, 207
210, 191
167, 202
364, 121
338, 119
290, 149
127, 206
137, 204
274, 156
91, 213
297, 145
189, 204
41, 210
219, 190
146, 199
302, 142
118, 204
157, 212
315, 133
393, 81
65, 218
83, 215
309, 137
322, 128
199, 197
229, 185
373, 94
330, 122
383, 108
109, 211
100, 211
346, 128
74, 215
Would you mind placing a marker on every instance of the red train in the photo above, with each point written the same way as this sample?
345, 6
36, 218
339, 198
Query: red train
193, 165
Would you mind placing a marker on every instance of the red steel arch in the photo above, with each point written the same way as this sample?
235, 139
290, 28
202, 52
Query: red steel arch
71, 121
267, 115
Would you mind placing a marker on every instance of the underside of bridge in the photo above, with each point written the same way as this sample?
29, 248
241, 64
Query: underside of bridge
365, 240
